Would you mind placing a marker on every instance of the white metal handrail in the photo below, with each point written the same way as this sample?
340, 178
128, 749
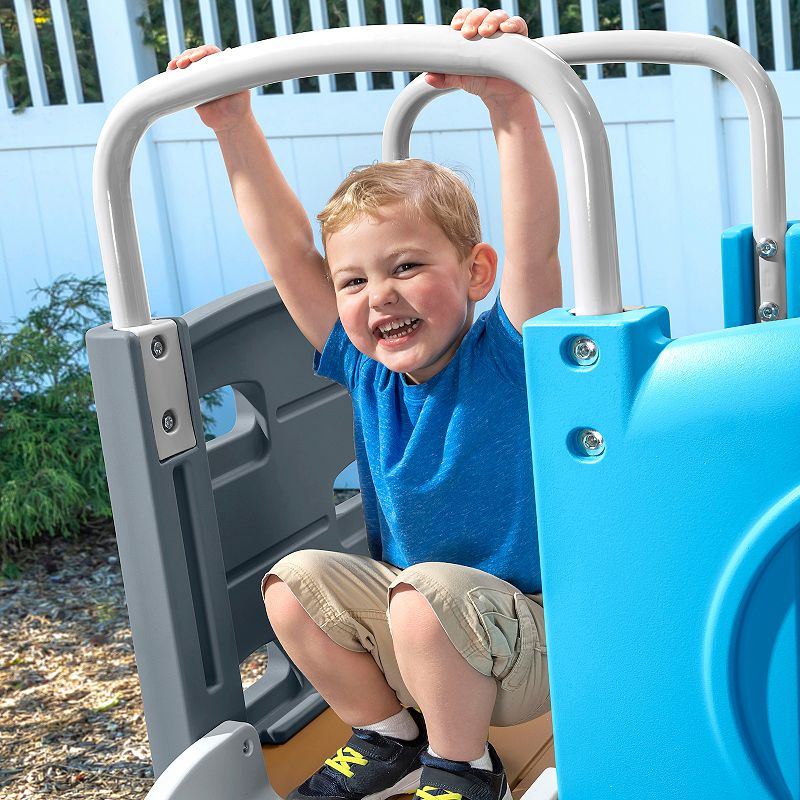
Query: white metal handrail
374, 48
747, 75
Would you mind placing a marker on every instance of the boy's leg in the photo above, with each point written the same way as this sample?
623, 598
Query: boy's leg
351, 682
329, 612
458, 701
471, 648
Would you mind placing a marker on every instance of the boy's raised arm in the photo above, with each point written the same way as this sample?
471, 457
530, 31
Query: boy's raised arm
271, 212
531, 280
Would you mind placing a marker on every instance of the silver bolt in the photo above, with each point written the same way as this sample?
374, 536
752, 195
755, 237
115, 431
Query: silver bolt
168, 421
591, 442
768, 312
157, 347
247, 747
766, 248
584, 351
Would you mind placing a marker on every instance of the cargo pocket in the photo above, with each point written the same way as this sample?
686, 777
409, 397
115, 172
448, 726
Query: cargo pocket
495, 610
527, 641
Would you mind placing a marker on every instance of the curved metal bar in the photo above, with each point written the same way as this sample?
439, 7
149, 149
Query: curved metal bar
369, 48
666, 47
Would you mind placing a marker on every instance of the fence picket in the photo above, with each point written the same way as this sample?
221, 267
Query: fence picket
394, 16
319, 22
245, 21
209, 21
589, 22
781, 34
511, 7
432, 12
355, 18
66, 52
630, 22
550, 26
6, 98
283, 27
33, 54
176, 36
746, 19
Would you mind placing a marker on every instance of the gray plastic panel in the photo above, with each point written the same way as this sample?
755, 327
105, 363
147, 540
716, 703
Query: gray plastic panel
197, 532
225, 763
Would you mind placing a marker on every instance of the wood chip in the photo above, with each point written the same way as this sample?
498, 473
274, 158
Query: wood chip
71, 719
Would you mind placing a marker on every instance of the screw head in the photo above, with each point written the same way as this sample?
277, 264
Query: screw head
584, 351
158, 347
168, 421
591, 442
247, 747
766, 248
768, 312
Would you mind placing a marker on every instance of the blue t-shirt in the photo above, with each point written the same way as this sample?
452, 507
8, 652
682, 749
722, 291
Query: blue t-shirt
445, 465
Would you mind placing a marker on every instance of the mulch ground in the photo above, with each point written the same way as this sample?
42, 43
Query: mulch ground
71, 719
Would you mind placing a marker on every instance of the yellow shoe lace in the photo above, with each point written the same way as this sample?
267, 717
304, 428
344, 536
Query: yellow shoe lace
340, 760
425, 794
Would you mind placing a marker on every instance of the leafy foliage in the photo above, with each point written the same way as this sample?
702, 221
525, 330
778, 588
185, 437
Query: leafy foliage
52, 474
52, 478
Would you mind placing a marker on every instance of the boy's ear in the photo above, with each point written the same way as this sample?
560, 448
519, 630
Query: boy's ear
482, 270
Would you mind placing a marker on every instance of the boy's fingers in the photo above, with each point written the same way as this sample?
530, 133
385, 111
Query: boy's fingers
514, 25
492, 22
204, 50
194, 54
459, 17
474, 19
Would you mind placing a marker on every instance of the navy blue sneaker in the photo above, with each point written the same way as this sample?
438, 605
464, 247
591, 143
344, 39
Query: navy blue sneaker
369, 767
457, 780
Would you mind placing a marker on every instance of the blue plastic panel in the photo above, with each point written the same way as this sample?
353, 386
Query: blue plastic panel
670, 563
793, 270
738, 281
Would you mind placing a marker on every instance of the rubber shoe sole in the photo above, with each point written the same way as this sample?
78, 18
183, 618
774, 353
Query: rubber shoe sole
407, 784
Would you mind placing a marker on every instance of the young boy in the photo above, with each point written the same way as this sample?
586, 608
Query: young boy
447, 616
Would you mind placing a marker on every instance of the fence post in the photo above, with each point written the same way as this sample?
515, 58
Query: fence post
123, 61
702, 174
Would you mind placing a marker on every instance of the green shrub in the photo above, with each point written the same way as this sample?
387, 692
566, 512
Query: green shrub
52, 474
52, 477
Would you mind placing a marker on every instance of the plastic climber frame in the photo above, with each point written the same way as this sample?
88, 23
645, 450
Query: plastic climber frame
198, 525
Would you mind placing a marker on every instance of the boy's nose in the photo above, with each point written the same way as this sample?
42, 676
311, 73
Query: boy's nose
382, 295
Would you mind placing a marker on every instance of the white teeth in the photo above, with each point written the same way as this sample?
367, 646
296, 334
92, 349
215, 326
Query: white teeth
386, 330
395, 324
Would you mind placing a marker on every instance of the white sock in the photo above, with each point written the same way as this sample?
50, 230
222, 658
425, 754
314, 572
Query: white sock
484, 762
400, 726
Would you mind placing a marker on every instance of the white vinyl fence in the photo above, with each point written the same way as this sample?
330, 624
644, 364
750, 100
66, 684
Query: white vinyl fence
678, 141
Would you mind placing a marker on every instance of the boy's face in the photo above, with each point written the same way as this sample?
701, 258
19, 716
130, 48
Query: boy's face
391, 268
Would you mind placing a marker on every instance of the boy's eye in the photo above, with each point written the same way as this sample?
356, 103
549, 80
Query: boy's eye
406, 267
354, 282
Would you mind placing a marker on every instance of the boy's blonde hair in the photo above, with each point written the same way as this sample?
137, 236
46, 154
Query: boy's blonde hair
433, 191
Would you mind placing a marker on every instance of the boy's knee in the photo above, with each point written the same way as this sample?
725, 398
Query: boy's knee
404, 599
410, 612
401, 588
281, 604
268, 589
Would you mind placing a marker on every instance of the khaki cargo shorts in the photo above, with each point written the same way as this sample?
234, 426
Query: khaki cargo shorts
496, 628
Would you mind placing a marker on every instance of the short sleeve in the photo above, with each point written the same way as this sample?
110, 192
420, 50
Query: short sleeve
339, 360
504, 345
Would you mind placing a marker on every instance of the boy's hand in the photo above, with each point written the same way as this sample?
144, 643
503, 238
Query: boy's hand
474, 22
221, 114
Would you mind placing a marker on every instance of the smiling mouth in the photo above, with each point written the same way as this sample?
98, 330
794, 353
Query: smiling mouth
397, 330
